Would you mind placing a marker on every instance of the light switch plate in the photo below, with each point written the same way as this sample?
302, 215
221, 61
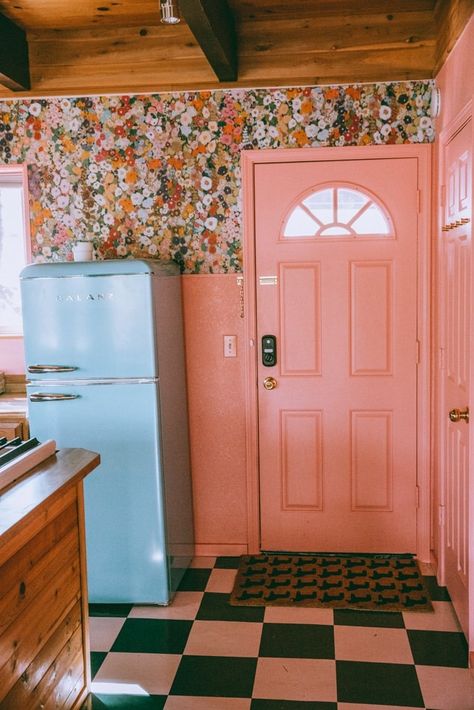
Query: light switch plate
230, 346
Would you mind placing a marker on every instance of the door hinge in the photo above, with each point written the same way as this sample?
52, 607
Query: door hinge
442, 195
442, 359
417, 352
417, 496
418, 201
441, 516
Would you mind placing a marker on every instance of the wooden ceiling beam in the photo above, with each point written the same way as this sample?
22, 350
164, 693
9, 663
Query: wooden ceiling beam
14, 66
212, 24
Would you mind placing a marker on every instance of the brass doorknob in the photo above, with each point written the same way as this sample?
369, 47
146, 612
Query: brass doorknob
456, 415
269, 383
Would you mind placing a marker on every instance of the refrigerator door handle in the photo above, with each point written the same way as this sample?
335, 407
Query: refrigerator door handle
49, 397
51, 368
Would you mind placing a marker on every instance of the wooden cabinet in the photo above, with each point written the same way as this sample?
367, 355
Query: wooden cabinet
13, 415
13, 427
44, 650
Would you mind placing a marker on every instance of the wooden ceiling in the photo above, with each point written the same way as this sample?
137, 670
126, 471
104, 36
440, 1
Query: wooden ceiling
76, 47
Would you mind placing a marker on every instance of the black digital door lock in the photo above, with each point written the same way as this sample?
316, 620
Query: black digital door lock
269, 350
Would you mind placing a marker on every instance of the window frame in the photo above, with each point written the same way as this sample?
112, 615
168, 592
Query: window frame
343, 237
18, 174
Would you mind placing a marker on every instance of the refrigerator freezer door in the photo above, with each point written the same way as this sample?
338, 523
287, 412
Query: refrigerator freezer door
124, 501
89, 326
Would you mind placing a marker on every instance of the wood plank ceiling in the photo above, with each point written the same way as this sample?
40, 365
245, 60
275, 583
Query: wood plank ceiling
77, 47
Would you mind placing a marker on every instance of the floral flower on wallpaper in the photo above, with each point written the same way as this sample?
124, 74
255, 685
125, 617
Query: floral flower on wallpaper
159, 175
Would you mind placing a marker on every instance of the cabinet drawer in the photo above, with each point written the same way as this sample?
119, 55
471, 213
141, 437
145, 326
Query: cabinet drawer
11, 429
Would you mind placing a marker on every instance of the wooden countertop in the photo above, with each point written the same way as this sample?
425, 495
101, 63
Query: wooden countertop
44, 482
14, 404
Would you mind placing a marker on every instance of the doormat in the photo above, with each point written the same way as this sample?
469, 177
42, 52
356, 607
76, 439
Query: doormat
370, 582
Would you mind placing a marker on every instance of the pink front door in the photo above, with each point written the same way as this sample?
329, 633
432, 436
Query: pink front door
455, 265
336, 269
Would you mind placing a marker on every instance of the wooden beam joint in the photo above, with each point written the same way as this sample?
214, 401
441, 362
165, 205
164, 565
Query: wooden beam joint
212, 24
14, 66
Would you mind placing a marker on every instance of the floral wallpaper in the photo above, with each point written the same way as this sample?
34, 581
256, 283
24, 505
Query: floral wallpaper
159, 175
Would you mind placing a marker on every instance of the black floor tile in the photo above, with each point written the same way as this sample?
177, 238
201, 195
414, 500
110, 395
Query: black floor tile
97, 658
121, 610
378, 684
215, 676
437, 593
439, 648
291, 705
216, 607
127, 702
152, 636
297, 641
354, 617
227, 562
194, 580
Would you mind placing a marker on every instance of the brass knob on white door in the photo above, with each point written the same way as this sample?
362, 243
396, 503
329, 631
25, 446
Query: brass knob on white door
269, 383
456, 415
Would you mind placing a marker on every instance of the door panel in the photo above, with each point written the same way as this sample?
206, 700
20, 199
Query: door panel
455, 377
338, 432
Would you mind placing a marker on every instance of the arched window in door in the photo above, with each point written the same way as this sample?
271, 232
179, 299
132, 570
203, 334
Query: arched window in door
338, 211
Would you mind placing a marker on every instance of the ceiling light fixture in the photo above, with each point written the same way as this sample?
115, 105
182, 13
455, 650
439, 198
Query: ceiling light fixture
169, 12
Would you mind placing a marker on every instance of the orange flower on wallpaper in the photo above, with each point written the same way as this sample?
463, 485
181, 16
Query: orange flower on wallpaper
353, 92
131, 177
176, 163
300, 137
331, 93
126, 204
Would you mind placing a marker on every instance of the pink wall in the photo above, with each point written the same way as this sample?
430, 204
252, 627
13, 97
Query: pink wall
456, 78
12, 358
216, 412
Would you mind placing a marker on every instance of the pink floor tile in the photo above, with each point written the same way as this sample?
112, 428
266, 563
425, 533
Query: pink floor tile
443, 618
295, 679
425, 568
221, 580
359, 706
298, 615
103, 631
381, 645
153, 672
203, 562
184, 606
176, 702
446, 688
224, 638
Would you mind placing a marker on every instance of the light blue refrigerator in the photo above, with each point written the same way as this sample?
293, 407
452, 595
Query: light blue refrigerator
106, 372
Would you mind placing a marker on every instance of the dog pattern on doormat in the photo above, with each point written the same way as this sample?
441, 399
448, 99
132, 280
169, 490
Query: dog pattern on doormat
371, 582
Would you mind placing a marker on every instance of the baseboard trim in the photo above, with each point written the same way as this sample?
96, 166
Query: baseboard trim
216, 550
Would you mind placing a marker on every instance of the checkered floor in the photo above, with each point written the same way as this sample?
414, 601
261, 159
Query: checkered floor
202, 654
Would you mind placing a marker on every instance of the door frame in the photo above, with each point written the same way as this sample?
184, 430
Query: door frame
249, 159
